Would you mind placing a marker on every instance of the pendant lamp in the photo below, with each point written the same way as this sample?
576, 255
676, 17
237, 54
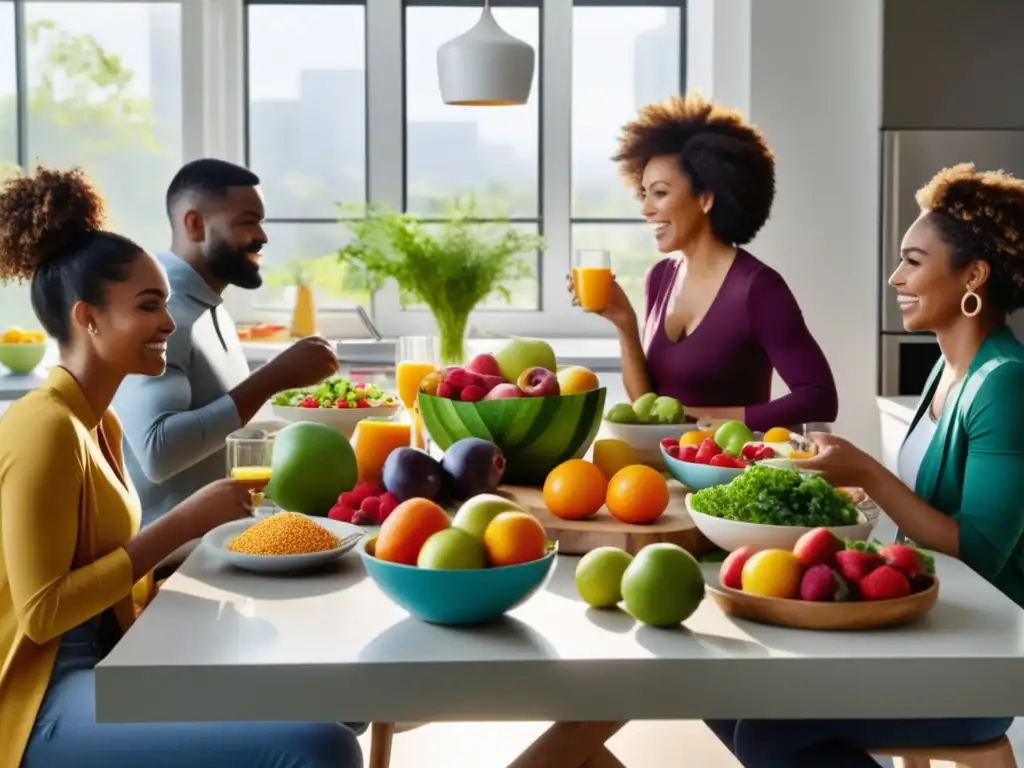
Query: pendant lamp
485, 66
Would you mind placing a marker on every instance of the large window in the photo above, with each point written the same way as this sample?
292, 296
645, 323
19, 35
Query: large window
343, 106
306, 107
623, 59
100, 89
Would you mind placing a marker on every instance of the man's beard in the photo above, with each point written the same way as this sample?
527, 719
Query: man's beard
232, 265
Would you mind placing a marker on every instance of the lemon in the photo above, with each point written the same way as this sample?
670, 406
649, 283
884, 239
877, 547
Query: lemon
776, 435
611, 455
12, 336
772, 573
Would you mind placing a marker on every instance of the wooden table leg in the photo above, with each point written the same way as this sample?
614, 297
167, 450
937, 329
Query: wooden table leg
570, 745
603, 758
381, 735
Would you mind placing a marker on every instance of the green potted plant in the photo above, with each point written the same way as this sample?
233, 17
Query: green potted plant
450, 266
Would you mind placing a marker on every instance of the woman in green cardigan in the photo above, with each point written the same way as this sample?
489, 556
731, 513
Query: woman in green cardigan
959, 489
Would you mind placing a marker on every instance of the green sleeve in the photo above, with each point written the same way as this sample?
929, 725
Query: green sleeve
991, 515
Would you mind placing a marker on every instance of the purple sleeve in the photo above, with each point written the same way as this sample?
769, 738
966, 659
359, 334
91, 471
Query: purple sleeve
779, 325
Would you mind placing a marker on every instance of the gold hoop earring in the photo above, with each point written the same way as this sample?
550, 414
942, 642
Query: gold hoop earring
977, 303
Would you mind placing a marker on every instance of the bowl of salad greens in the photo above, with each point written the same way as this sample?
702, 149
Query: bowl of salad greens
336, 402
770, 508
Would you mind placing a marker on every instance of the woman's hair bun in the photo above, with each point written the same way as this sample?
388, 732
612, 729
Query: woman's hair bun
44, 217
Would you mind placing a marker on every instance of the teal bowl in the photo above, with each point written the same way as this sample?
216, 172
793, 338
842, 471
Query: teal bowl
697, 477
454, 597
22, 358
535, 434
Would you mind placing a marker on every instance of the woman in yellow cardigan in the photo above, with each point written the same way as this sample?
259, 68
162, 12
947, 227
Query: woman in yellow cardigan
73, 556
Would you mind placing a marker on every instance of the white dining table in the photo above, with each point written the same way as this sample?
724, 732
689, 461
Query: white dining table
222, 644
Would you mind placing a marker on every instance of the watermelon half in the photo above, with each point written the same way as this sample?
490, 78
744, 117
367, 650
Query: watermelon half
536, 434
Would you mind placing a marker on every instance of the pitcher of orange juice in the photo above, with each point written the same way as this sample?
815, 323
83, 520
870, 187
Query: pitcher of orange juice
592, 277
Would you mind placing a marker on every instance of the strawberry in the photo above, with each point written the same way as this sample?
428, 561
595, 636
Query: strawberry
816, 547
341, 403
688, 453
905, 559
707, 449
725, 460
855, 565
472, 394
668, 442
364, 403
757, 451
371, 508
309, 402
341, 513
884, 583
673, 451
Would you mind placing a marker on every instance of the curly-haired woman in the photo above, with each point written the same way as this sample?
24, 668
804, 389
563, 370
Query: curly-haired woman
960, 482
74, 563
717, 322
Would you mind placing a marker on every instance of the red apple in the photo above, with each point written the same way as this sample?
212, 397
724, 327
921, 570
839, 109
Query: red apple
503, 391
538, 382
485, 365
732, 567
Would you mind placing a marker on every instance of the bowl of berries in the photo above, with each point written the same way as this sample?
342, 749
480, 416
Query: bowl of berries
704, 464
336, 402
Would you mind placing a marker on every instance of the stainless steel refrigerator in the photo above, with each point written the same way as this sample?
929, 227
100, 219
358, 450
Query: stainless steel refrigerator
909, 160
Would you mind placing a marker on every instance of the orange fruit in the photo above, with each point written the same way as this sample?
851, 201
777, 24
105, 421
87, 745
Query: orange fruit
695, 436
575, 489
637, 494
410, 524
512, 538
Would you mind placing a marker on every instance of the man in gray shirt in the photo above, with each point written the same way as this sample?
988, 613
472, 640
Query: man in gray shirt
175, 425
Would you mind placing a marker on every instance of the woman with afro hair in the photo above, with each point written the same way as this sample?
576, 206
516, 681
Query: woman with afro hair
717, 322
74, 564
960, 483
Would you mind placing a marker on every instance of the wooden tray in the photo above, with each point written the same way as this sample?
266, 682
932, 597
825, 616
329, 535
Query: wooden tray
803, 614
577, 537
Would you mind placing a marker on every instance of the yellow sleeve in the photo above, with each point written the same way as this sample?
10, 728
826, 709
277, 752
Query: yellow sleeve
39, 512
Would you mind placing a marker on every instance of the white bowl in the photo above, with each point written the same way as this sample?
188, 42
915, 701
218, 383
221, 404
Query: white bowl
646, 438
342, 419
732, 534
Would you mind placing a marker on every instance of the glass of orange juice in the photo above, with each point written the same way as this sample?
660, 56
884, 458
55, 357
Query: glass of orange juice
593, 279
414, 360
249, 455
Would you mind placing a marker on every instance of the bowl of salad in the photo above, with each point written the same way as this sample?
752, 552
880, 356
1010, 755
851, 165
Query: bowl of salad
337, 402
771, 507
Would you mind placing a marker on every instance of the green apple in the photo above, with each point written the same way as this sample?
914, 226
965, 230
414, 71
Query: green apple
452, 549
663, 585
642, 406
732, 436
622, 413
476, 513
519, 354
599, 576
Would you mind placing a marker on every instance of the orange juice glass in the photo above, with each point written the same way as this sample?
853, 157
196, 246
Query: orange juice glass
593, 278
408, 375
250, 473
374, 440
576, 282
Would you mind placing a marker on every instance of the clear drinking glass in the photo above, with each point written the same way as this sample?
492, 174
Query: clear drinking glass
414, 358
592, 278
249, 456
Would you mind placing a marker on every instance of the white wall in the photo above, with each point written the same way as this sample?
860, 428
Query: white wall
812, 83
16, 308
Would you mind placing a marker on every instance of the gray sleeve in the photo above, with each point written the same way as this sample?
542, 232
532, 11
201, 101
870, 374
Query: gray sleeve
165, 435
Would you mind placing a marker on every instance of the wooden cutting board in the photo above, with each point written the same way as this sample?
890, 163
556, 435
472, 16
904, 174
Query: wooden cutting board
577, 537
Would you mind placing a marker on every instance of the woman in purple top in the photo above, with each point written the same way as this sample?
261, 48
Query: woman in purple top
717, 322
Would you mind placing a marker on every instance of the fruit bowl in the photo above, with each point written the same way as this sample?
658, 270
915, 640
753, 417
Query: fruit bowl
733, 534
646, 438
22, 357
344, 420
697, 477
456, 597
535, 434
822, 616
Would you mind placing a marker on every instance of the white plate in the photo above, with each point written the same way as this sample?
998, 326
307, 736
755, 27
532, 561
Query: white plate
218, 539
342, 419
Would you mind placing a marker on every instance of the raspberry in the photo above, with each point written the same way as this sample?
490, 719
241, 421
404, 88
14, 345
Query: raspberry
366, 488
388, 502
444, 389
350, 499
688, 453
341, 513
457, 378
472, 394
361, 518
668, 442
673, 451
371, 508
